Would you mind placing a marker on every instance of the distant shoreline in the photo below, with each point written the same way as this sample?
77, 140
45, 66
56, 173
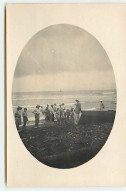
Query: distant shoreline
114, 90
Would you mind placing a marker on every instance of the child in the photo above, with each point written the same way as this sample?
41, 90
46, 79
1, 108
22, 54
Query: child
72, 114
25, 117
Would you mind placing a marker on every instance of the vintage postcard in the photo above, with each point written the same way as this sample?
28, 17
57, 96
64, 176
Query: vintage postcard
66, 123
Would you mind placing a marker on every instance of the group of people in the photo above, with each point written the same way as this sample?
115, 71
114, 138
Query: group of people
18, 117
52, 113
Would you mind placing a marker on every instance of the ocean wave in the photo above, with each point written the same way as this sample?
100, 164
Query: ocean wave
45, 98
108, 93
58, 97
92, 108
44, 105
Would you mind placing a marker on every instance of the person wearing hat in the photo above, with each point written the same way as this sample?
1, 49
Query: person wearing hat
102, 107
18, 117
25, 117
36, 112
77, 112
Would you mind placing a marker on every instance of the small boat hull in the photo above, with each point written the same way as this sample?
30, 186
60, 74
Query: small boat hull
97, 117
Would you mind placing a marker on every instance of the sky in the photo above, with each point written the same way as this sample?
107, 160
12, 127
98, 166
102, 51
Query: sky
63, 57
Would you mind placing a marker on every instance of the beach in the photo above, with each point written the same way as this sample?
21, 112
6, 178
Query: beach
89, 100
67, 145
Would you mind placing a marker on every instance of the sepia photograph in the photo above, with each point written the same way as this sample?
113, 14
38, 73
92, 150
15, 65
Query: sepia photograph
63, 96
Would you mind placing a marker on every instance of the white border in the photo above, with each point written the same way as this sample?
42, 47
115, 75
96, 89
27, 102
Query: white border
2, 98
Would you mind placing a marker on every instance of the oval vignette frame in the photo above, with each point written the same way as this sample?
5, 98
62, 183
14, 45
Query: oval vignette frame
66, 145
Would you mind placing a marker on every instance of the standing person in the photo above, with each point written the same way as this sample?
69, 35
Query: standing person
47, 113
55, 109
77, 112
36, 112
67, 114
102, 107
72, 114
61, 112
64, 111
18, 117
25, 117
58, 116
51, 113
42, 110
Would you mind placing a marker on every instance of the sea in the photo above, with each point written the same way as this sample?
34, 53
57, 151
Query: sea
90, 100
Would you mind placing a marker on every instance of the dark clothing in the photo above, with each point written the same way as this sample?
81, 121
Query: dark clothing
17, 119
36, 113
47, 114
72, 116
25, 118
67, 114
36, 120
24, 123
102, 106
17, 125
52, 117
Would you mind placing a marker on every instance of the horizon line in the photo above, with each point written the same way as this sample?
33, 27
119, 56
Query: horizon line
63, 90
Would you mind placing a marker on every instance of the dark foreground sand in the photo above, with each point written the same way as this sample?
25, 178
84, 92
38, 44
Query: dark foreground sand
66, 145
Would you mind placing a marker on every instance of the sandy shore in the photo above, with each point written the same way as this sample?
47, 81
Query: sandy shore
65, 145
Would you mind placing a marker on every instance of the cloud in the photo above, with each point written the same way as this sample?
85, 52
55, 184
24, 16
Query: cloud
62, 48
69, 81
